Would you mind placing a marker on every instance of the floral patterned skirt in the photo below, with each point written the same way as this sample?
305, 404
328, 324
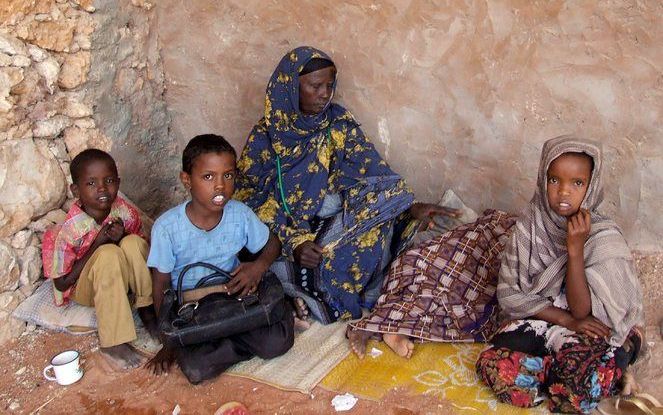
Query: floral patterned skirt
532, 358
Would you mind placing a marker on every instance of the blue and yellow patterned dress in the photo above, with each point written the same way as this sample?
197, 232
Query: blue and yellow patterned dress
291, 162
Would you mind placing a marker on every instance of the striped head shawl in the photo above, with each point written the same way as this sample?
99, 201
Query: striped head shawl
534, 266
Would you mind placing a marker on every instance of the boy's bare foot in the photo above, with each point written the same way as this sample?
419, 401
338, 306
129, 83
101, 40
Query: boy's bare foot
301, 310
358, 340
301, 314
400, 344
301, 325
162, 361
149, 318
123, 356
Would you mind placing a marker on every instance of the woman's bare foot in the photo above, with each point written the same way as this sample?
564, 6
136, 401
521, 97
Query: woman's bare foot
123, 356
400, 344
358, 340
149, 318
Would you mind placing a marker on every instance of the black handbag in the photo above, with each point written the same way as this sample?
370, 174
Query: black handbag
218, 314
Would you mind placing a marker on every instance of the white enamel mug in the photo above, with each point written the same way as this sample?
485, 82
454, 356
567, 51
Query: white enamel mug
66, 367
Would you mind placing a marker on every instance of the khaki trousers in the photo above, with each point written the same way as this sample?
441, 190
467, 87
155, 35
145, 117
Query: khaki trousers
104, 282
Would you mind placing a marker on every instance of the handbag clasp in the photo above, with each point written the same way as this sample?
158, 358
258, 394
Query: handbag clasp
184, 307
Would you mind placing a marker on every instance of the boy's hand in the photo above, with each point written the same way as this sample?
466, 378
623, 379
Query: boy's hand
103, 237
308, 254
246, 278
577, 231
590, 326
112, 232
115, 230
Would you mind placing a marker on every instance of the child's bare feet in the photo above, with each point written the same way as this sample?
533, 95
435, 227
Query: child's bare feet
302, 325
400, 344
301, 309
358, 340
123, 356
162, 361
149, 318
301, 314
629, 385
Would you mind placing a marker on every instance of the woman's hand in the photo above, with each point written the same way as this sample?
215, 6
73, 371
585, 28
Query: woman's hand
590, 326
577, 231
308, 254
246, 278
425, 211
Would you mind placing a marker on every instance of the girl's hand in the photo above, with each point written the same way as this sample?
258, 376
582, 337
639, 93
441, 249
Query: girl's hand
577, 231
590, 326
308, 254
246, 278
425, 211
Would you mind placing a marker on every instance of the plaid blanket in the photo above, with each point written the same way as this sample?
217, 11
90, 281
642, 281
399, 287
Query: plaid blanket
444, 289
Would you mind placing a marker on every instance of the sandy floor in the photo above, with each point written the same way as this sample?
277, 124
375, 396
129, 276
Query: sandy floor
103, 390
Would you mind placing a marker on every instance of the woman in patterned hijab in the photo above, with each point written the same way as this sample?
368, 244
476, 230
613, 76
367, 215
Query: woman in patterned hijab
310, 173
568, 290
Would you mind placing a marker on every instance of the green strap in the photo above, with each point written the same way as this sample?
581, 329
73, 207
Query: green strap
280, 178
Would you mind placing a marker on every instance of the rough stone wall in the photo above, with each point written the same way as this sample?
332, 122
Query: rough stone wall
55, 102
128, 94
455, 94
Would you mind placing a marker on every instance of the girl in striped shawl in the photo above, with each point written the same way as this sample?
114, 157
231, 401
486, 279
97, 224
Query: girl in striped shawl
568, 290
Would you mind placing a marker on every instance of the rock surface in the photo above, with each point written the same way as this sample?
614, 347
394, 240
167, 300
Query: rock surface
51, 104
31, 184
74, 70
30, 263
650, 269
129, 105
9, 268
9, 326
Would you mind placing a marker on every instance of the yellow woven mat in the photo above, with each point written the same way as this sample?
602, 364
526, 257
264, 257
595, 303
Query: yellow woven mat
445, 370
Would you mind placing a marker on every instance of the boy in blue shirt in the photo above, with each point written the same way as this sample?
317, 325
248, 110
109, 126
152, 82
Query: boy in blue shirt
213, 228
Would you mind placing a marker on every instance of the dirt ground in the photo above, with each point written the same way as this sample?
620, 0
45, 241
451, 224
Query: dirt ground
102, 390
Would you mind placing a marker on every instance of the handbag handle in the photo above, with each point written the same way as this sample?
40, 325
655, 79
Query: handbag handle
217, 274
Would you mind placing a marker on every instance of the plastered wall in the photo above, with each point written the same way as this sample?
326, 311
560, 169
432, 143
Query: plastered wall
455, 94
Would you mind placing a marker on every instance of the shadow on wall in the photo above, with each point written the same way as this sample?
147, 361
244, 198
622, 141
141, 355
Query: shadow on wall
128, 81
